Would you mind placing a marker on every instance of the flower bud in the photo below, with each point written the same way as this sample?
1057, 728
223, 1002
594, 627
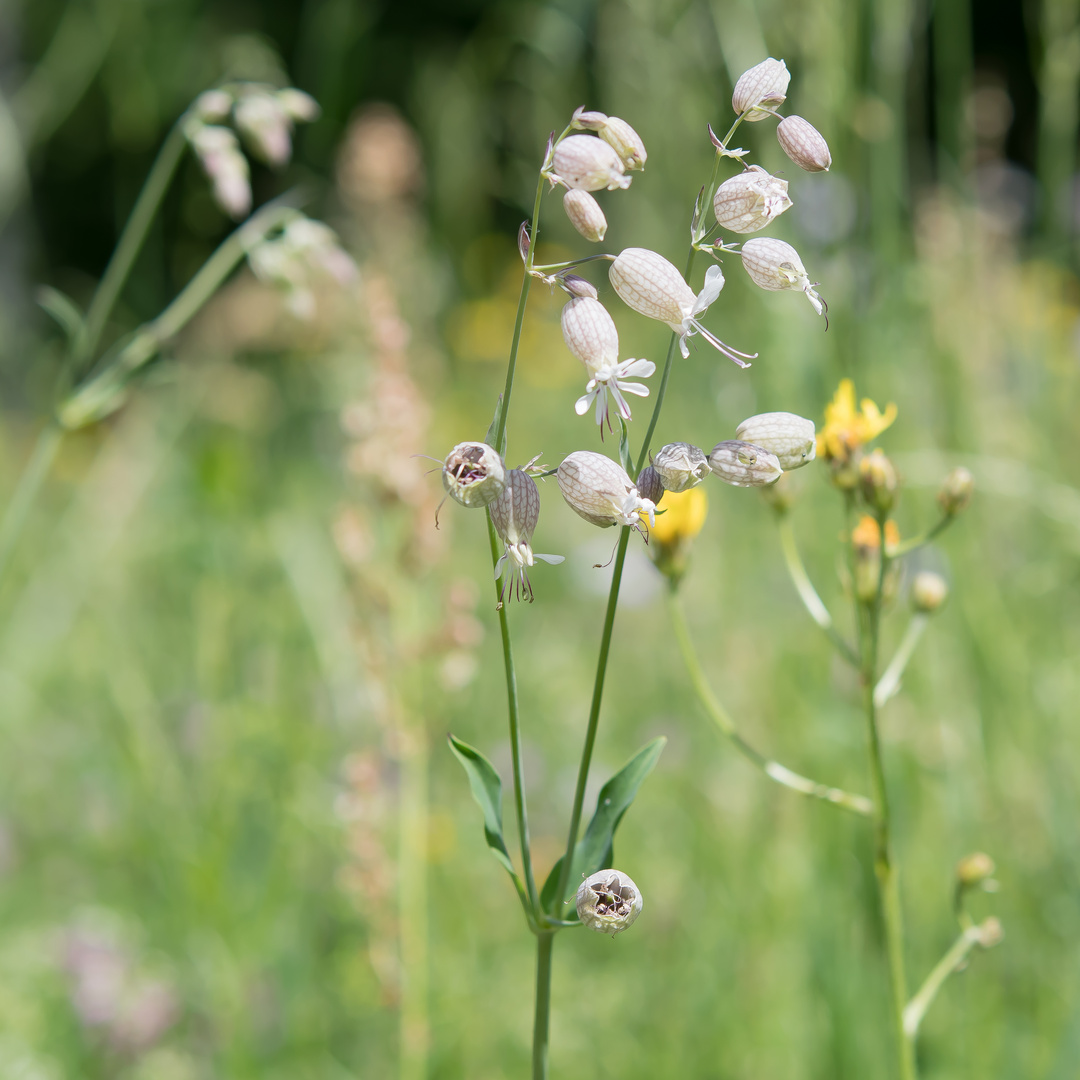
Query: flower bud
878, 480
991, 932
588, 119
928, 591
956, 491
577, 286
652, 286
266, 126
972, 870
590, 333
791, 438
866, 545
598, 489
473, 474
761, 89
213, 106
585, 214
649, 485
589, 163
218, 151
742, 464
804, 144
516, 511
298, 105
680, 466
773, 264
625, 141
608, 901
749, 201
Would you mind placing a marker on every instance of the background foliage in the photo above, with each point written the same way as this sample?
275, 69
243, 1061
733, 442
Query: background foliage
232, 843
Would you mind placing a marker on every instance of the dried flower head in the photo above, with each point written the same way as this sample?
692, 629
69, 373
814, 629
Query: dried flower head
749, 200
515, 514
761, 89
774, 265
608, 901
598, 489
680, 466
651, 285
585, 214
589, 163
804, 144
742, 464
789, 437
848, 429
473, 474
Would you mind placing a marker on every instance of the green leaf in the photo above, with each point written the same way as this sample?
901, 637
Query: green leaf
624, 451
493, 427
487, 791
62, 308
595, 850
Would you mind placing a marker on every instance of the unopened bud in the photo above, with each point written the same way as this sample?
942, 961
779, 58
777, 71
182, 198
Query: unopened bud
866, 544
589, 163
585, 214
749, 201
649, 485
218, 151
588, 119
761, 89
791, 438
928, 591
878, 480
972, 870
773, 264
742, 464
473, 474
298, 105
804, 144
577, 286
956, 491
625, 141
599, 490
991, 932
680, 466
213, 106
608, 901
266, 126
590, 333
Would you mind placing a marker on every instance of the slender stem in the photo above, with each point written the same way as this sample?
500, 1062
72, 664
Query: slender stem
906, 546
889, 683
573, 262
131, 240
544, 942
917, 1007
33, 475
858, 804
513, 713
808, 594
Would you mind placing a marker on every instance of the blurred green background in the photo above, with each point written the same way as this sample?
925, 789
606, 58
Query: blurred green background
232, 842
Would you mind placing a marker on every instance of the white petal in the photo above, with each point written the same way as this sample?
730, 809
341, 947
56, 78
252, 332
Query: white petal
581, 406
642, 368
500, 565
683, 347
554, 560
714, 282
634, 388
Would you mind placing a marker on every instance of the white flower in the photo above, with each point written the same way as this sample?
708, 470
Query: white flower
774, 265
651, 285
515, 514
611, 379
599, 490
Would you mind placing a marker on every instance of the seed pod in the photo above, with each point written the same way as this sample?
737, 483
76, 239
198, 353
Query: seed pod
651, 285
878, 480
956, 491
598, 489
625, 141
473, 474
749, 201
680, 466
590, 333
773, 264
928, 592
589, 163
804, 144
764, 85
791, 438
649, 485
585, 214
608, 902
742, 464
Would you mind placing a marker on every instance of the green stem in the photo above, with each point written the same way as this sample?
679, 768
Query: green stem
808, 594
907, 546
889, 683
916, 1008
858, 804
544, 943
33, 475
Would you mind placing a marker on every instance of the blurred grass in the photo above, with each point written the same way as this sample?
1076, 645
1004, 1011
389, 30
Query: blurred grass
233, 640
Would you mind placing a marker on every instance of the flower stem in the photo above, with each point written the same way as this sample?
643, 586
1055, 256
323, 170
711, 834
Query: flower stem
858, 804
916, 1008
915, 542
545, 940
889, 683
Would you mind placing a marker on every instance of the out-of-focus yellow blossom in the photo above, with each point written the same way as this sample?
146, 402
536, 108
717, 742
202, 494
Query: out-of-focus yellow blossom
867, 535
847, 428
669, 538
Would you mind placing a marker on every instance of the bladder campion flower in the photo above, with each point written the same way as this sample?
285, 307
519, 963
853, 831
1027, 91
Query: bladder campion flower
624, 140
599, 490
585, 214
750, 200
742, 464
773, 264
680, 466
789, 437
473, 474
589, 163
804, 144
608, 901
761, 89
515, 514
847, 429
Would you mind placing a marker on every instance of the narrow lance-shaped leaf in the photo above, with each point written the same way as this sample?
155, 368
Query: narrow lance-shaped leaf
594, 851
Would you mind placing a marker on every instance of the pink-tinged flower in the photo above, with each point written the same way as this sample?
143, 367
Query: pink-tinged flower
651, 285
599, 490
515, 514
589, 163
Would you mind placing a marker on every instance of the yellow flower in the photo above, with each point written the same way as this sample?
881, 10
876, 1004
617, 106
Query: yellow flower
867, 535
847, 428
683, 518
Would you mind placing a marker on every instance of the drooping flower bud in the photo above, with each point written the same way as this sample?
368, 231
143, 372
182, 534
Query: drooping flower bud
742, 464
590, 333
265, 125
791, 438
773, 264
585, 214
515, 513
748, 201
608, 901
761, 89
473, 474
804, 144
588, 119
589, 163
928, 591
598, 489
625, 141
298, 105
972, 870
649, 485
878, 480
956, 491
577, 286
648, 283
680, 466
218, 151
213, 106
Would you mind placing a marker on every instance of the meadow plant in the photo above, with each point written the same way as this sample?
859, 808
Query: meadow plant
657, 495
